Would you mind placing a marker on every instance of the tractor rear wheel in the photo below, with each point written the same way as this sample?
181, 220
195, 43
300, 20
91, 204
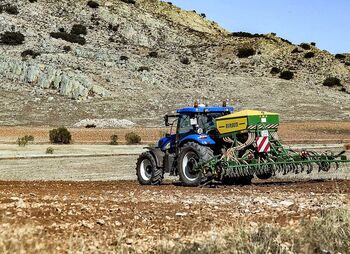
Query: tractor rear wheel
147, 171
191, 154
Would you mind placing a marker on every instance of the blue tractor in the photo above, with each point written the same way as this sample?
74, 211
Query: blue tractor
179, 154
217, 144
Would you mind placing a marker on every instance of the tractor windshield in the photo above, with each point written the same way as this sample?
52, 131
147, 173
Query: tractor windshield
206, 121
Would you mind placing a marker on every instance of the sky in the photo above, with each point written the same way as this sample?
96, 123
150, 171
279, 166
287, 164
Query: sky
326, 22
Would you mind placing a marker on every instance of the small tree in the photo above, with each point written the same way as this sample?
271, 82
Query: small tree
23, 141
309, 54
60, 136
114, 140
332, 81
78, 29
287, 75
132, 138
12, 38
245, 52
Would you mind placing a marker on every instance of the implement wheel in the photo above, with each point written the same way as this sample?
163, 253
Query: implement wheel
147, 171
191, 154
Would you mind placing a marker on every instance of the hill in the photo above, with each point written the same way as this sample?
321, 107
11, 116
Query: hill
65, 61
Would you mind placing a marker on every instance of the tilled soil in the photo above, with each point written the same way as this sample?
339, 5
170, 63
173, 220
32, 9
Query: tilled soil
102, 216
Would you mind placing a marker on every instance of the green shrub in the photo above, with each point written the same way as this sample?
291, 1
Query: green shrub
305, 46
246, 35
245, 52
113, 28
114, 140
93, 4
347, 63
185, 60
60, 136
124, 58
203, 15
29, 52
313, 44
275, 70
287, 75
132, 138
49, 150
12, 38
153, 54
78, 29
23, 141
331, 81
67, 48
73, 38
10, 9
143, 68
33, 1
340, 56
286, 41
295, 51
129, 1
309, 54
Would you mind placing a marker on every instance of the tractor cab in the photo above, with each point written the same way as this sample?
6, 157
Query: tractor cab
191, 124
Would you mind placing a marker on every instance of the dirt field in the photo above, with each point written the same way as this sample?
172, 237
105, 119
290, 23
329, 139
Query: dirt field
290, 132
65, 217
58, 203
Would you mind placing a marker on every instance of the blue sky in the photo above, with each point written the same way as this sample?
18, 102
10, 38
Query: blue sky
326, 22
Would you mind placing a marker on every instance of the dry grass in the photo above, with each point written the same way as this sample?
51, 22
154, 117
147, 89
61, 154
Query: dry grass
329, 233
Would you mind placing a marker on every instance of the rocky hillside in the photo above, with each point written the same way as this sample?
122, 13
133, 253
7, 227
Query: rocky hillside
65, 61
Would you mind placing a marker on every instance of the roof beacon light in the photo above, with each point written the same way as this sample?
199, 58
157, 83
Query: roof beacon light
195, 104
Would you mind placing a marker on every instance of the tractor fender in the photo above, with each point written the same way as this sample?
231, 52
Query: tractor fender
158, 155
201, 139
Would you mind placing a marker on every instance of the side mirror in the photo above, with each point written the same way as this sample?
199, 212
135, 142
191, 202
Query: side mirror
166, 120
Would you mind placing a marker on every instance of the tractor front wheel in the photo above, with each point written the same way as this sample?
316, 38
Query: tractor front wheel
190, 156
147, 171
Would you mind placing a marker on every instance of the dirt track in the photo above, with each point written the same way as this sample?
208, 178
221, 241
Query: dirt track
103, 215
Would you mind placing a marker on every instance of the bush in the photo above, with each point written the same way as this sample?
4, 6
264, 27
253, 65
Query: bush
32, 1
114, 140
29, 52
331, 81
67, 48
305, 46
309, 54
73, 38
245, 52
313, 44
114, 28
124, 58
287, 75
78, 29
295, 50
129, 1
275, 70
90, 126
49, 150
340, 56
132, 138
347, 63
185, 60
246, 35
203, 15
60, 136
93, 4
12, 38
10, 9
143, 68
23, 141
153, 54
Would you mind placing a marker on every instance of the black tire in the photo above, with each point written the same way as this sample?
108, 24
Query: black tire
264, 176
192, 153
147, 171
244, 180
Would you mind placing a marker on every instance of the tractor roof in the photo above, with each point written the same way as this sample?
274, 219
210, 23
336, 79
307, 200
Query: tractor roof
204, 110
